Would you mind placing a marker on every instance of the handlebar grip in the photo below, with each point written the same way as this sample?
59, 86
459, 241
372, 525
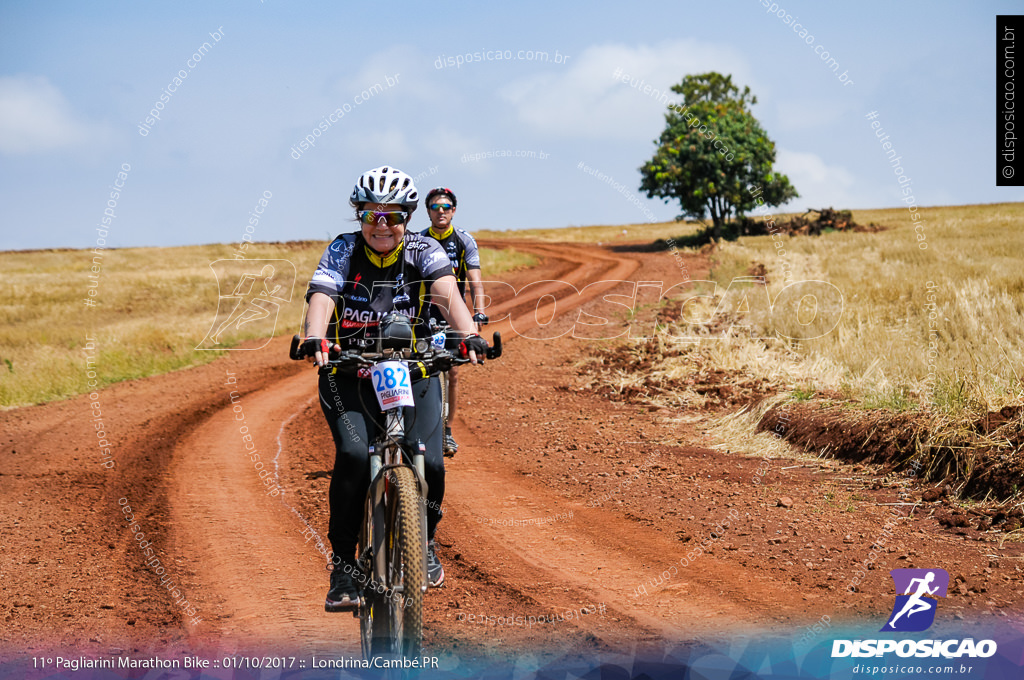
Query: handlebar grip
294, 352
494, 351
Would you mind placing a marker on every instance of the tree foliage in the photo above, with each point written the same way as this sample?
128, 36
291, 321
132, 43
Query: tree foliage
713, 156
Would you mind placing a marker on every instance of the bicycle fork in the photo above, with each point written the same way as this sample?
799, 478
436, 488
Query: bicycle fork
389, 456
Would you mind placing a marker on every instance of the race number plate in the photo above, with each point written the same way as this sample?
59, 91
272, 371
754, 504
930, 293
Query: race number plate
437, 340
392, 384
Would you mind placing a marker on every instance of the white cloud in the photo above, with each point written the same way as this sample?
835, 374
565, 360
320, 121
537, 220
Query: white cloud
820, 185
582, 99
35, 116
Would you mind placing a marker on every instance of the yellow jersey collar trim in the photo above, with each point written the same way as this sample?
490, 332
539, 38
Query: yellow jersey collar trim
384, 260
446, 234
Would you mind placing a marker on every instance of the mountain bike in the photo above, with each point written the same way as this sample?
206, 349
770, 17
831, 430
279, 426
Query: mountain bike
391, 567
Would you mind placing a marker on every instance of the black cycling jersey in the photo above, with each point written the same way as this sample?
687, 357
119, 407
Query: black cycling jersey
366, 285
463, 254
462, 251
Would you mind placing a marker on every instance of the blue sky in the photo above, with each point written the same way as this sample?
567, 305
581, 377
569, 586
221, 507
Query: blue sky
76, 79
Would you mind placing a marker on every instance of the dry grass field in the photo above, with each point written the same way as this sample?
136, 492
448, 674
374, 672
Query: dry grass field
603, 234
151, 309
938, 327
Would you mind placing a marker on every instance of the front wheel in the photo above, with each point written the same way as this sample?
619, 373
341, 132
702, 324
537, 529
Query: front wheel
405, 570
374, 621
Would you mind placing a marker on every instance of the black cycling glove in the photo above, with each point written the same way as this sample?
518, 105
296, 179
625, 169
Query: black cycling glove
310, 346
477, 344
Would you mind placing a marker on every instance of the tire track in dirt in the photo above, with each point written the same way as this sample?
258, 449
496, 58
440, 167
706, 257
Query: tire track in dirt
256, 568
591, 271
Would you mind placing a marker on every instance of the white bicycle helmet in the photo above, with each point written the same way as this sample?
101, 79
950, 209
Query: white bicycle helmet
385, 185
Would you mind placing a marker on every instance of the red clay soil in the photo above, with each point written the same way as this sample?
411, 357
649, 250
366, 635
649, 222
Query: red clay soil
561, 505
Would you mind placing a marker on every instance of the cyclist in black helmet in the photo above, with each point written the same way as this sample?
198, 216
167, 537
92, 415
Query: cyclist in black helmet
361, 277
465, 258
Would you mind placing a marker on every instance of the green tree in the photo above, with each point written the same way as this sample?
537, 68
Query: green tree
713, 156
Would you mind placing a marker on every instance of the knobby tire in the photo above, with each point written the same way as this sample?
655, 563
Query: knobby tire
444, 397
405, 571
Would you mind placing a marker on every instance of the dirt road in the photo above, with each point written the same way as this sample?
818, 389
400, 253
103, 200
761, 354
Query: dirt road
586, 515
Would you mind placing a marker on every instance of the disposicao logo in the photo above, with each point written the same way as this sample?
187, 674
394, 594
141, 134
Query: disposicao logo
914, 611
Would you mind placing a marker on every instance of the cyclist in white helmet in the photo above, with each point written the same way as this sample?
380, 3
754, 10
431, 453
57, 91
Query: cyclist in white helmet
361, 277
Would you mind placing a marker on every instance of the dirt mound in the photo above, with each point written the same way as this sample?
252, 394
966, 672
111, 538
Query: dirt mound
827, 219
811, 223
837, 431
982, 461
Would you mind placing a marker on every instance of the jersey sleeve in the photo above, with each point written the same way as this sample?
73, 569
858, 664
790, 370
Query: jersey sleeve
472, 252
332, 270
429, 258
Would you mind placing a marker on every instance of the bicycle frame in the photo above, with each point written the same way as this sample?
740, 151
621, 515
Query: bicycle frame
385, 454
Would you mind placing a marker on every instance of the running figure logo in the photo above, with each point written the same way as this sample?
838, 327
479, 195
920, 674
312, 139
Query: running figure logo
251, 293
914, 610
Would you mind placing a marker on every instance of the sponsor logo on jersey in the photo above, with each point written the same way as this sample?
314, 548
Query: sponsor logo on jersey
325, 276
355, 318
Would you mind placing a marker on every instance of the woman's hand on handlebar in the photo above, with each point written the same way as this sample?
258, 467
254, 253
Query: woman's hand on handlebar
475, 347
318, 350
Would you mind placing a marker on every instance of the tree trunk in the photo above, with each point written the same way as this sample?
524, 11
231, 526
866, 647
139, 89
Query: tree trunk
716, 217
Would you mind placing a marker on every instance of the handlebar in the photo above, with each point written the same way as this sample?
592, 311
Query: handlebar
421, 363
494, 351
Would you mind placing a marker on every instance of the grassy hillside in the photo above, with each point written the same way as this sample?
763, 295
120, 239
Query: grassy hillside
149, 311
605, 234
937, 326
